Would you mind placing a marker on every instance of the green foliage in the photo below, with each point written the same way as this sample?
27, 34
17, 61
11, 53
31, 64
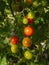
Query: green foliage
3, 61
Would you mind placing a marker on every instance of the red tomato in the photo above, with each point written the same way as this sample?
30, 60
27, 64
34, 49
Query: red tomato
30, 17
14, 40
28, 31
30, 20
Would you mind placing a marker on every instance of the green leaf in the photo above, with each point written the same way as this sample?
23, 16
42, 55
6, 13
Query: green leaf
6, 40
36, 21
3, 62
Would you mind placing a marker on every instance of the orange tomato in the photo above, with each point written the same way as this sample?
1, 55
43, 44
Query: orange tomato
29, 2
26, 42
28, 31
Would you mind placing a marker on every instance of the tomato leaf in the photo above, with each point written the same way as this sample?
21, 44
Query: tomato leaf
3, 62
6, 40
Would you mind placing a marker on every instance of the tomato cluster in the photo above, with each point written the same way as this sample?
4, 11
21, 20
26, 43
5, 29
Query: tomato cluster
14, 41
26, 41
29, 18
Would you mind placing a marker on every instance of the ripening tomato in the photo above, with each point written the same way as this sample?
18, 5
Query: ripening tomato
29, 2
26, 42
14, 40
28, 31
30, 17
14, 48
28, 55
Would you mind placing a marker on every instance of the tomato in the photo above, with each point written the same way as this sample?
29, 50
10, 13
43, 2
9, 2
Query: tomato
25, 21
26, 42
35, 3
28, 31
14, 48
29, 2
30, 17
30, 20
14, 40
28, 55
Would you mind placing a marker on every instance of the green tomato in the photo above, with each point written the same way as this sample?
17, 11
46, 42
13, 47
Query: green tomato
14, 48
25, 20
30, 15
35, 3
28, 55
